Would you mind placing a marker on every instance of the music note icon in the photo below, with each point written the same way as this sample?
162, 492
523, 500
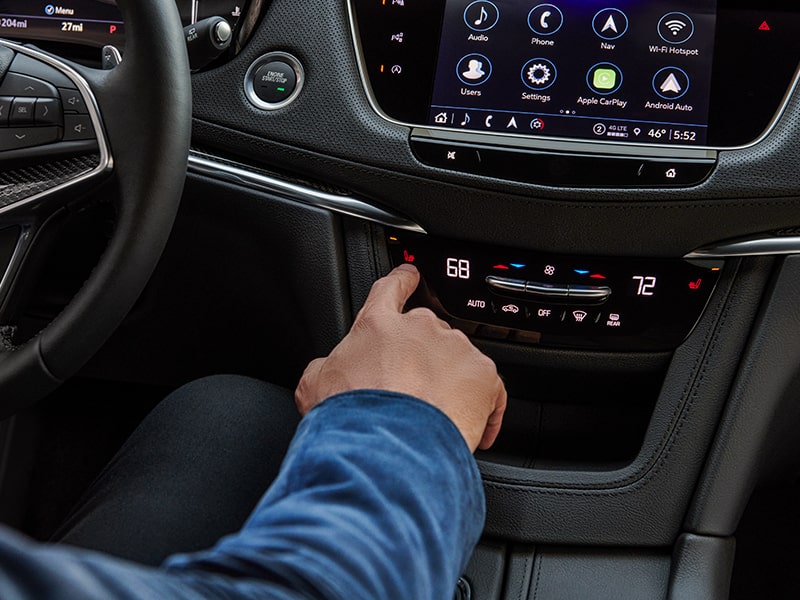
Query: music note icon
481, 15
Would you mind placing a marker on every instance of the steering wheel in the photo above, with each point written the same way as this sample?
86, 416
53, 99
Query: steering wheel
132, 122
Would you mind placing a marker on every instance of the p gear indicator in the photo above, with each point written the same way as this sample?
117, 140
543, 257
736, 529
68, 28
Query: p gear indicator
629, 304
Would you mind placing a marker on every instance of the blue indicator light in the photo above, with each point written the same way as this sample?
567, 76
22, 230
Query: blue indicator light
581, 272
517, 265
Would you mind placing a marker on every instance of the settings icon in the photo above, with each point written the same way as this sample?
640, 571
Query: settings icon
539, 74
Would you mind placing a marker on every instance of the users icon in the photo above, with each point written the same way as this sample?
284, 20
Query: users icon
474, 69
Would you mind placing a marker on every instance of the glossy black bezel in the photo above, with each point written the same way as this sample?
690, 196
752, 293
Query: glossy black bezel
753, 69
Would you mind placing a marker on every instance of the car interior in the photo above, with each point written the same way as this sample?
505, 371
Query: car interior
602, 194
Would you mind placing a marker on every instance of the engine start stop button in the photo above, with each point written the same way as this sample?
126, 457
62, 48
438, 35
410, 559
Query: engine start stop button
274, 80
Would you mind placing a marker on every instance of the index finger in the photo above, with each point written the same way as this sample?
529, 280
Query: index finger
392, 291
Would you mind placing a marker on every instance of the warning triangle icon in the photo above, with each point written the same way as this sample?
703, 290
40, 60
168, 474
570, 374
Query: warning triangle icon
610, 25
764, 26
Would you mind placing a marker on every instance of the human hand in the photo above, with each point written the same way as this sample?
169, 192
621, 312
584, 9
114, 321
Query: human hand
413, 353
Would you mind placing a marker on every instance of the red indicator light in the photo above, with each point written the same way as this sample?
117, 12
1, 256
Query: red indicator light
596, 276
409, 258
764, 27
112, 29
501, 267
695, 285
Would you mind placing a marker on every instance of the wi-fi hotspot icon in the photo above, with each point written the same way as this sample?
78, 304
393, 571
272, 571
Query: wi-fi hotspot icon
675, 26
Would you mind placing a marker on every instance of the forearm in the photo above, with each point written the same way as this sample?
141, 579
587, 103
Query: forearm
360, 510
378, 497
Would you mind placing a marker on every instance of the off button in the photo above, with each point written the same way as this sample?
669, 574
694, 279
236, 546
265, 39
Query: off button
274, 80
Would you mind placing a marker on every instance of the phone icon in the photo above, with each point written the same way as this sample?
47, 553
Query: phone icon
545, 19
488, 121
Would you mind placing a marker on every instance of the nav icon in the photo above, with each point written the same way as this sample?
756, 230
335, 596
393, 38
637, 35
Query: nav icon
610, 23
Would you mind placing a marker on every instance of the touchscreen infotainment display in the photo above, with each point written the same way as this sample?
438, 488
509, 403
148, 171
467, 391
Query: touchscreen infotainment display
635, 70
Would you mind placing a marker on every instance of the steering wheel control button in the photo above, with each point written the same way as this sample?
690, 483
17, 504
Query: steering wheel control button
25, 65
78, 127
15, 84
274, 80
5, 110
17, 138
23, 112
545, 19
48, 112
72, 101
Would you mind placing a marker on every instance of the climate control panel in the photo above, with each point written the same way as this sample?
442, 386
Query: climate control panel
628, 304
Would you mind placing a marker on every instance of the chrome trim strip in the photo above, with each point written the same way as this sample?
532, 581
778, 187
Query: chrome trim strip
106, 161
346, 205
755, 246
555, 143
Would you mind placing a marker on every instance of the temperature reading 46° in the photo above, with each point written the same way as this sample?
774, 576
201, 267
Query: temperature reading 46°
458, 268
646, 285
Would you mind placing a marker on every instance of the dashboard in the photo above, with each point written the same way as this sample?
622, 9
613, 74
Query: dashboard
601, 194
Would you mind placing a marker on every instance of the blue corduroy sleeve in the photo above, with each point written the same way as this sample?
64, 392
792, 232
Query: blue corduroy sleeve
378, 497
